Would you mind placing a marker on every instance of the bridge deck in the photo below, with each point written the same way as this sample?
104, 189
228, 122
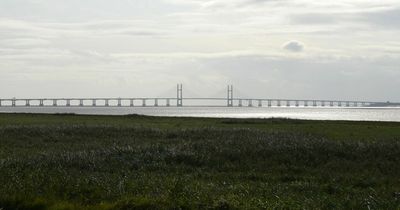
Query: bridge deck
169, 101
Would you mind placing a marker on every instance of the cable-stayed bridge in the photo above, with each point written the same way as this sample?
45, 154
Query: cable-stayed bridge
180, 101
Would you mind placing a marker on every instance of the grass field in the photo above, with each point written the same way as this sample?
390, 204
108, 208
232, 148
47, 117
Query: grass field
138, 162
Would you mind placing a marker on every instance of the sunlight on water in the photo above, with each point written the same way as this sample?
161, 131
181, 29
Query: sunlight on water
367, 114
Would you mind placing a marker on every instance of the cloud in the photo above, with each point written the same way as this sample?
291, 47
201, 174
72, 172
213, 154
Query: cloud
294, 46
388, 18
155, 43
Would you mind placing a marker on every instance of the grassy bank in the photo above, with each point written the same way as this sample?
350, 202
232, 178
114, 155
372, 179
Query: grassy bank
137, 162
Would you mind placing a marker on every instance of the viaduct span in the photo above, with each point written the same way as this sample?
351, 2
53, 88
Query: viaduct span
229, 101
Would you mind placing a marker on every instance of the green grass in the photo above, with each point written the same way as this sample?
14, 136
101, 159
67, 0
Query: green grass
138, 162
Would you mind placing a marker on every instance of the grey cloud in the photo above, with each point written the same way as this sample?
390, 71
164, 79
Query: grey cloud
315, 18
296, 78
139, 33
294, 46
383, 19
77, 10
19, 43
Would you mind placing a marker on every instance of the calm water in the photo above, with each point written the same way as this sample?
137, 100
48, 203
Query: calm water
368, 114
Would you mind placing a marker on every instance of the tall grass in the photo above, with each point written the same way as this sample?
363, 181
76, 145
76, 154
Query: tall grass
92, 166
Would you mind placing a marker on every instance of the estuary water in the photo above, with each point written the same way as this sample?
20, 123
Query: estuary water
310, 113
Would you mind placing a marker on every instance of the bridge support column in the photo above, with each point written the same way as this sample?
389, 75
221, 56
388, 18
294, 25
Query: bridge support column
269, 103
179, 98
143, 102
331, 103
347, 103
322, 103
106, 102
278, 103
80, 102
314, 103
305, 103
41, 103
155, 102
13, 102
27, 102
54, 102
230, 96
259, 103
68, 102
240, 102
119, 102
250, 102
0, 102
94, 102
131, 102
288, 103
168, 104
297, 103
339, 103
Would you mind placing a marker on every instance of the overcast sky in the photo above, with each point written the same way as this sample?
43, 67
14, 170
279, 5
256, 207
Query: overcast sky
342, 49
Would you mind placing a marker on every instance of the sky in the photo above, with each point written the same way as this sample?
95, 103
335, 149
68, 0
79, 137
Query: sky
298, 49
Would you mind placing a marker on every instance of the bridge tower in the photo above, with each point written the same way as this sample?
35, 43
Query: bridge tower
230, 95
179, 95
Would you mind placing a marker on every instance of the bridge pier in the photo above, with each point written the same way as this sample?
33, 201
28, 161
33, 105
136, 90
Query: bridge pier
250, 102
80, 102
305, 103
0, 102
155, 102
278, 103
13, 102
297, 103
331, 103
68, 102
269, 103
131, 102
287, 103
54, 102
119, 102
339, 103
41, 102
323, 103
94, 102
27, 102
259, 103
240, 102
314, 103
106, 102
168, 104
143, 102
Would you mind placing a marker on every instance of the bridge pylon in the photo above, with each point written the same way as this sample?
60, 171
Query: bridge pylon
179, 95
230, 96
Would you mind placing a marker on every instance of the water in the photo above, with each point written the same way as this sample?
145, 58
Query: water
311, 113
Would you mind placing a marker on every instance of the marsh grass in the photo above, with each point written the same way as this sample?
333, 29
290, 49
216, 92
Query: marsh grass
162, 163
